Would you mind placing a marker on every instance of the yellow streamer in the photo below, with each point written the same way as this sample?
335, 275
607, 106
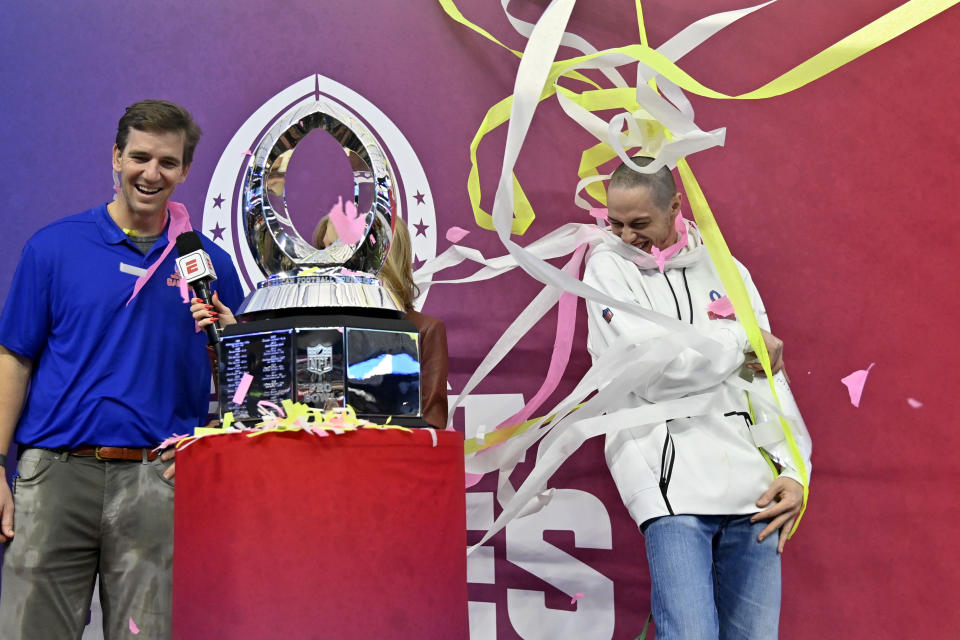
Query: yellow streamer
737, 292
878, 32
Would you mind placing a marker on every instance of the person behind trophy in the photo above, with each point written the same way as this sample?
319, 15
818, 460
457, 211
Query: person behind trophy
397, 277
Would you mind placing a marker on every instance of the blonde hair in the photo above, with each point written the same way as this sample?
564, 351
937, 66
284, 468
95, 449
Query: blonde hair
320, 232
397, 271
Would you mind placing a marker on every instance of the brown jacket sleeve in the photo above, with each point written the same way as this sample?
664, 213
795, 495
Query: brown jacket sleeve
433, 368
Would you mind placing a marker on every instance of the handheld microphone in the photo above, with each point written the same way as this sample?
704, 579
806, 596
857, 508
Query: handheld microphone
194, 264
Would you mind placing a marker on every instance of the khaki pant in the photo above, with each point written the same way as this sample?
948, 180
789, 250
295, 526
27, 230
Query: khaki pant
76, 518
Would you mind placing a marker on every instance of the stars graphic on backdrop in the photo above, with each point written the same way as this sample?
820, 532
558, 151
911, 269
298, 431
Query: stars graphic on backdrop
419, 197
218, 201
421, 228
217, 232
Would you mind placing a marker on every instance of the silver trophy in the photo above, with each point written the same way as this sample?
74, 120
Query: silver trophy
321, 329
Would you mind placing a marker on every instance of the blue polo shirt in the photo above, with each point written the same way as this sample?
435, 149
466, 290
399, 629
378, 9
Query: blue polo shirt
104, 372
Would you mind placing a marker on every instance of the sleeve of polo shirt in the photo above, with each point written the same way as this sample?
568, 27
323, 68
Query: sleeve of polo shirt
25, 322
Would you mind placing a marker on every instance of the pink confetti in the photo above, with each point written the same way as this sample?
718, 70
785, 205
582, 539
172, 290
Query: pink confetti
373, 239
599, 213
575, 597
241, 393
721, 306
855, 382
456, 234
248, 152
916, 404
349, 224
172, 440
471, 479
133, 627
116, 189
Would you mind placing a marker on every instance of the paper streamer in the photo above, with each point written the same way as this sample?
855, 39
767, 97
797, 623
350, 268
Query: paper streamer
507, 190
179, 223
685, 137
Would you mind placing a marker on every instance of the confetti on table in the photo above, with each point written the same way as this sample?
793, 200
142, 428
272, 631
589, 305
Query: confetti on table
241, 393
456, 234
855, 382
133, 627
721, 306
916, 404
575, 597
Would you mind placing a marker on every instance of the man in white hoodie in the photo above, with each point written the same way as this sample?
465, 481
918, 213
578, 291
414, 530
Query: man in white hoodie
709, 491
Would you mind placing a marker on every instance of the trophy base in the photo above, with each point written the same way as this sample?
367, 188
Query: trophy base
324, 358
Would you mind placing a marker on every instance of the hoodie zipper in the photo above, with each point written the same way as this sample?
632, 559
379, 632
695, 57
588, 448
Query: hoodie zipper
667, 458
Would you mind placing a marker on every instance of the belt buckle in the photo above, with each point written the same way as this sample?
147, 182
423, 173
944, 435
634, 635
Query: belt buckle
96, 454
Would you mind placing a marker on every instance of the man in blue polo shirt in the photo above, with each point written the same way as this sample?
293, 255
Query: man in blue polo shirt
100, 361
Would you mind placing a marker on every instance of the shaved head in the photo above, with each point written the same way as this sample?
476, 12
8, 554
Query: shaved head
660, 183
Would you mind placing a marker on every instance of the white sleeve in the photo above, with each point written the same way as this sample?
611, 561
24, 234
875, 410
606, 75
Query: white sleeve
675, 368
779, 450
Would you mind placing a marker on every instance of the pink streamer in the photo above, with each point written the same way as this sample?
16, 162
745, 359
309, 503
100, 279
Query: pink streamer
599, 213
855, 382
179, 223
661, 257
721, 306
349, 224
241, 393
133, 627
266, 404
566, 322
575, 597
456, 234
184, 289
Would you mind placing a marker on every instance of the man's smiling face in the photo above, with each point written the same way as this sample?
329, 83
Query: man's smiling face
150, 167
636, 219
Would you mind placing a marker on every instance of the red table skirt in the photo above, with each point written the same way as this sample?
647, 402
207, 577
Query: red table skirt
290, 535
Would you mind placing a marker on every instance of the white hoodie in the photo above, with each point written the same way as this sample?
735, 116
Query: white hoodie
708, 465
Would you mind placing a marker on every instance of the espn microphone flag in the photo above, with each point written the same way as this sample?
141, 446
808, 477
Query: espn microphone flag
196, 267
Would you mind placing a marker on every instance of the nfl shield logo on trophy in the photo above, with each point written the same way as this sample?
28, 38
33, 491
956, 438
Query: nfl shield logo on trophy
320, 359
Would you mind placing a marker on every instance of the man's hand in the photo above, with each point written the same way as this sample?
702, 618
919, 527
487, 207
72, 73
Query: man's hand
169, 454
774, 350
6, 511
170, 471
787, 495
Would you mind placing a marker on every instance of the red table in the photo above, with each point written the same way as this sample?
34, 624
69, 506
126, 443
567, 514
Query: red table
291, 535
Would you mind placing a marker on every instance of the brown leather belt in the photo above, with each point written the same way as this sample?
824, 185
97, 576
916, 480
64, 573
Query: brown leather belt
115, 453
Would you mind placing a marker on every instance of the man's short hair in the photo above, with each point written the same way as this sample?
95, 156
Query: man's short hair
160, 116
660, 183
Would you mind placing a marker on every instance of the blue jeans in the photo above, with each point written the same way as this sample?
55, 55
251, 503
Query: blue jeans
710, 578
